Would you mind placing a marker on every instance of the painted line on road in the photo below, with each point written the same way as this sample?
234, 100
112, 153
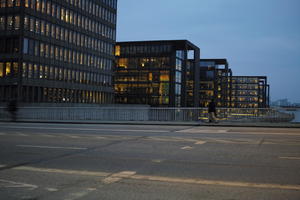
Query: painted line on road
289, 158
22, 134
187, 148
133, 176
2, 134
2, 166
157, 160
88, 129
13, 184
51, 147
113, 178
197, 130
216, 182
51, 189
200, 142
62, 171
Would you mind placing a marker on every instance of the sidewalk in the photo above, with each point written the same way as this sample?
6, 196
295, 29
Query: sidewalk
170, 123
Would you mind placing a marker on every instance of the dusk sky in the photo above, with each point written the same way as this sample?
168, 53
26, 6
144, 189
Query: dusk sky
257, 37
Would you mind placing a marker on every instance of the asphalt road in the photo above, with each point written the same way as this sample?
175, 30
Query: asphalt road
78, 161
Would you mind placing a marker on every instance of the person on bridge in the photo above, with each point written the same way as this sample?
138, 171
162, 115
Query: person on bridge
212, 111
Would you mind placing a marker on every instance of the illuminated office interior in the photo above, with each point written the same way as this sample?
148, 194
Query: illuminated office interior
155, 73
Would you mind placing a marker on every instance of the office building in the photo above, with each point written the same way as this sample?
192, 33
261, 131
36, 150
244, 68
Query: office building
57, 51
157, 73
215, 82
250, 92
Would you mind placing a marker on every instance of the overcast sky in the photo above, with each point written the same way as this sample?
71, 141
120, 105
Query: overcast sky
258, 37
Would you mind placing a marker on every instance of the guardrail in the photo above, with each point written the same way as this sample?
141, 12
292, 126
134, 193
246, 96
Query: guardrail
145, 114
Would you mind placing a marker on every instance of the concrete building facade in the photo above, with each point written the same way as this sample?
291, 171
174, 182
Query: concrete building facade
57, 51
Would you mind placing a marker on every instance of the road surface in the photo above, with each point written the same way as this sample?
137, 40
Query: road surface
108, 162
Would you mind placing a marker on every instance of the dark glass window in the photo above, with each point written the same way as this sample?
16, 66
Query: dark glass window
25, 46
9, 23
2, 23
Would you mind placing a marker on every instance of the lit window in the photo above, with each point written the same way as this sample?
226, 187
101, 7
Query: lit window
42, 50
164, 77
17, 22
37, 26
63, 14
24, 70
47, 29
29, 70
8, 69
17, 3
1, 69
38, 5
67, 16
48, 7
46, 72
2, 4
71, 17
118, 50
31, 24
16, 68
43, 6
2, 23
10, 3
42, 27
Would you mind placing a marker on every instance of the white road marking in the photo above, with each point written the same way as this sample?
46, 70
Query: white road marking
3, 166
89, 129
110, 180
118, 176
62, 171
22, 134
73, 136
91, 189
201, 130
187, 148
51, 147
216, 182
51, 189
47, 135
157, 161
289, 158
13, 184
2, 134
77, 195
100, 137
200, 142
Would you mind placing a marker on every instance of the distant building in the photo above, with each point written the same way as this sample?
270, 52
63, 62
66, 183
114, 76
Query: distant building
157, 73
215, 82
57, 51
250, 92
282, 102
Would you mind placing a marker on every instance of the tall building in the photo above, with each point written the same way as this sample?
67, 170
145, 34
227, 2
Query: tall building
250, 92
215, 82
57, 50
157, 73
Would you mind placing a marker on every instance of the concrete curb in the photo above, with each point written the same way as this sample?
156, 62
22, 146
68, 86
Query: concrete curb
166, 123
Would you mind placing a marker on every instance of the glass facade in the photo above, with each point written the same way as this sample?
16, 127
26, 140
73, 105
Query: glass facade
63, 50
151, 73
215, 82
250, 92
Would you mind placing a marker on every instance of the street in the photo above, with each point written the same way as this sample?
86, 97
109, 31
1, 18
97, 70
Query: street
40, 161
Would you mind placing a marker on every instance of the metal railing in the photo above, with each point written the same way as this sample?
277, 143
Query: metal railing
145, 114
